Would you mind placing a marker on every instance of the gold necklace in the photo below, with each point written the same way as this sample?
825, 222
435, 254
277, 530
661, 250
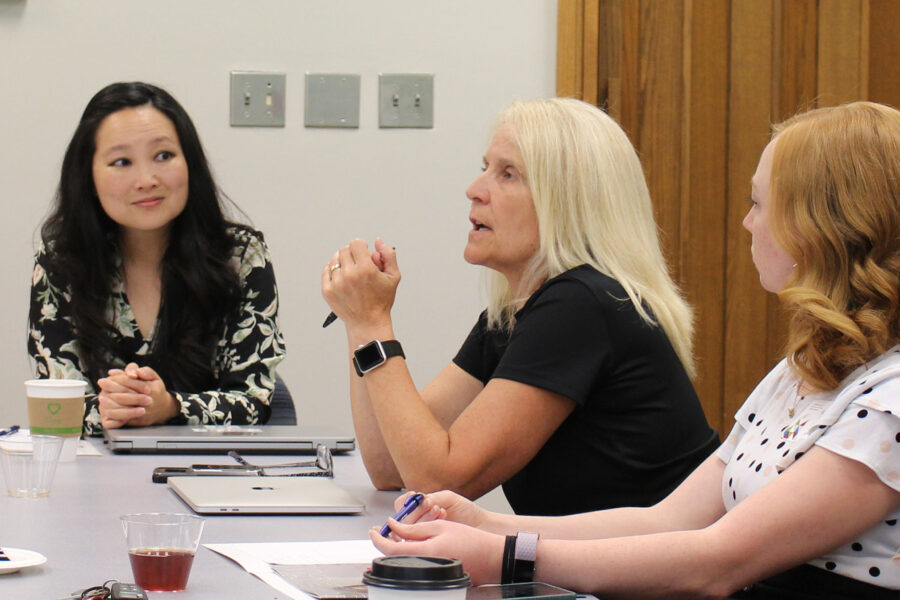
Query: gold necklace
797, 398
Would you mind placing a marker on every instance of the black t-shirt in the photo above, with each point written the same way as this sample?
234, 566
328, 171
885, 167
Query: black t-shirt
638, 428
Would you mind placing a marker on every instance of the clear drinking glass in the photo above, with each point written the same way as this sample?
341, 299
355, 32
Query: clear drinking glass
29, 467
161, 547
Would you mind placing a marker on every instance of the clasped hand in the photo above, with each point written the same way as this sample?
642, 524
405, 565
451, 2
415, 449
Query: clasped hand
359, 285
134, 396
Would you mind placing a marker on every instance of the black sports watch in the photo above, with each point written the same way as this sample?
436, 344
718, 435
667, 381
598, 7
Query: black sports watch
374, 354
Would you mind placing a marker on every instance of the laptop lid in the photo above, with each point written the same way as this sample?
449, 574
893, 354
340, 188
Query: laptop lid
264, 495
219, 439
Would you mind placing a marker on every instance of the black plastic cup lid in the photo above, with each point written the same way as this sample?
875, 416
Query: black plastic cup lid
416, 573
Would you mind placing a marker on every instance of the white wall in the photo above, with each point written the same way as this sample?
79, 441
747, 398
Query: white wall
309, 190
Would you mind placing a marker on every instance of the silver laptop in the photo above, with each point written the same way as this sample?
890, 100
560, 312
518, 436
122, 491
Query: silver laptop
219, 439
264, 495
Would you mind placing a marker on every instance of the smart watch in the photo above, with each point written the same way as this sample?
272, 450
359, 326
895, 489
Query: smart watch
524, 556
374, 354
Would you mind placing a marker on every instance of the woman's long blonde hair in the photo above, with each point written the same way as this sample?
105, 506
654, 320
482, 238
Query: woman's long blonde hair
593, 207
835, 189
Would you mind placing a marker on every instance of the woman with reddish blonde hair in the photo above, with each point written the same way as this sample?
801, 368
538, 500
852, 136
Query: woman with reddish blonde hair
841, 228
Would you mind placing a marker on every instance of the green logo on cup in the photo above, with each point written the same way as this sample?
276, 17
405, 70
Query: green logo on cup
54, 407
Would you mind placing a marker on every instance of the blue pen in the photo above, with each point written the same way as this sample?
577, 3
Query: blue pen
9, 431
410, 505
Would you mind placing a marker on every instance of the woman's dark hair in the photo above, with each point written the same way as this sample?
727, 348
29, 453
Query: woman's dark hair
199, 286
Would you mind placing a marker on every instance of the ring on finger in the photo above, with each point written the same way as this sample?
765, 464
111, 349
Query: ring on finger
334, 267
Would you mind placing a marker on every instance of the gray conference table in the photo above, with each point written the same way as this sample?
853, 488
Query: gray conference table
78, 529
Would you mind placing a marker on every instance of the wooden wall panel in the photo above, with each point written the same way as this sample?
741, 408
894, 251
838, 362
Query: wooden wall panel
884, 52
570, 48
591, 56
660, 123
794, 65
704, 186
631, 106
843, 51
749, 115
696, 85
609, 63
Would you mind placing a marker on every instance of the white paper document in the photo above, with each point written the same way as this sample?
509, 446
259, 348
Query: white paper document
257, 558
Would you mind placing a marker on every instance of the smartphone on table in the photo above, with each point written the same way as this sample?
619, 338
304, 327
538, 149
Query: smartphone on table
520, 591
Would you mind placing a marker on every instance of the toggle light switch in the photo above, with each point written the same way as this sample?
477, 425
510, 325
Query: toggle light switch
257, 99
406, 100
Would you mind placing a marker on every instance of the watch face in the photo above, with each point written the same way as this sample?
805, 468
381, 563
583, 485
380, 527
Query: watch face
369, 356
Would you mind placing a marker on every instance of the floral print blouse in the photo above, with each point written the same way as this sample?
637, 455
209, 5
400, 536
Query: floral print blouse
250, 348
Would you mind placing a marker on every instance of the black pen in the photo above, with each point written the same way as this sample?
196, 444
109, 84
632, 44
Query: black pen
331, 318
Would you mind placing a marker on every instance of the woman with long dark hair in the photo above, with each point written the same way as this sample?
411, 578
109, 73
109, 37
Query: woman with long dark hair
142, 286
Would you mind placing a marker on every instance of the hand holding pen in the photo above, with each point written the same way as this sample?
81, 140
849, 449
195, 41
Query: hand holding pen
410, 505
335, 264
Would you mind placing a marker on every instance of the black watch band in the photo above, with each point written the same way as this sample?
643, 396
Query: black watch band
374, 354
509, 558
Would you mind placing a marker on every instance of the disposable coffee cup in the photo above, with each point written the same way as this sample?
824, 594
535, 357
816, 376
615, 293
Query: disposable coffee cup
29, 466
416, 577
56, 407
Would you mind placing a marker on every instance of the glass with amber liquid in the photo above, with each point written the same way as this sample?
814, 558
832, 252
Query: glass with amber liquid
161, 548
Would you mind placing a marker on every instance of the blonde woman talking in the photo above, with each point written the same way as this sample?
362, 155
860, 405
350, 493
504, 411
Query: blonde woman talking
573, 389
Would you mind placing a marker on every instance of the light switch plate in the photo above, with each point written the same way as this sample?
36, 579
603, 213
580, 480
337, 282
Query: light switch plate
406, 100
332, 100
257, 99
